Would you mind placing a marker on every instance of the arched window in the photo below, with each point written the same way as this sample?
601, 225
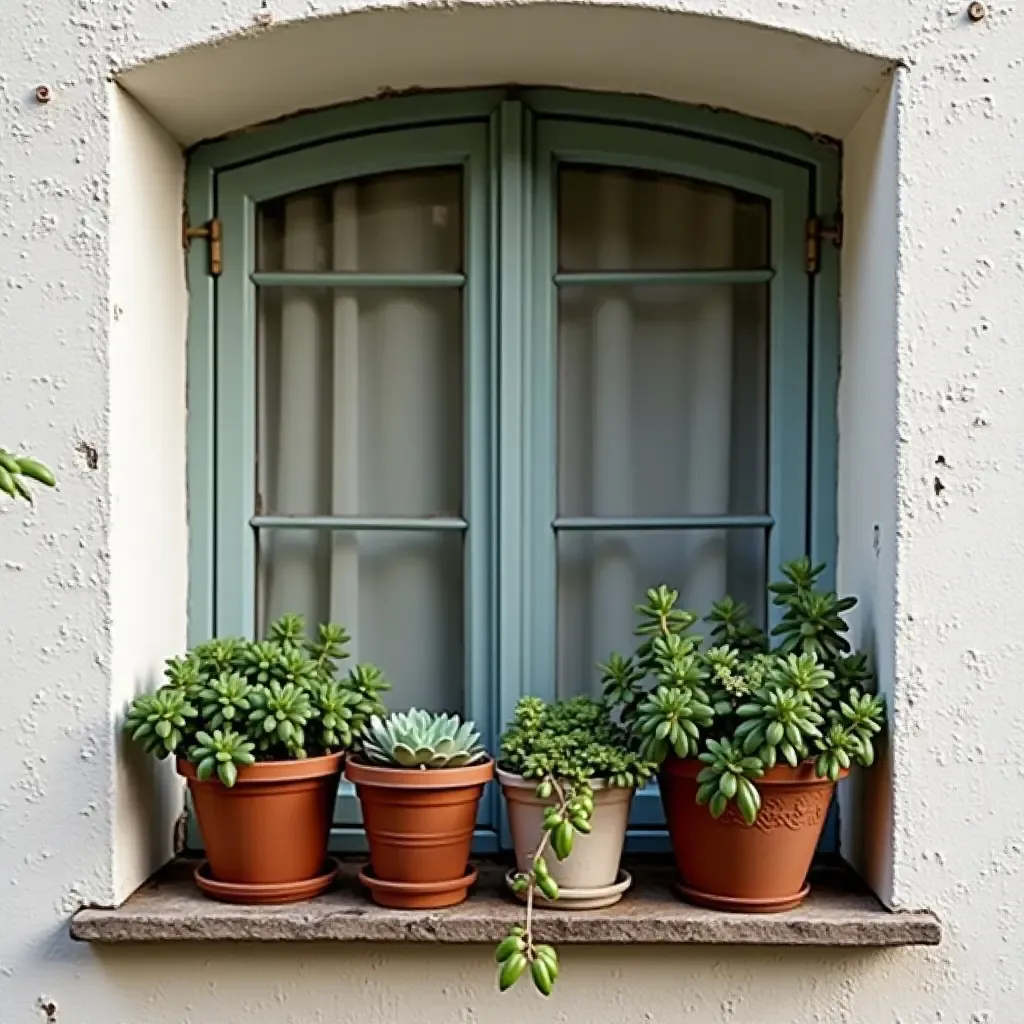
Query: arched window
479, 370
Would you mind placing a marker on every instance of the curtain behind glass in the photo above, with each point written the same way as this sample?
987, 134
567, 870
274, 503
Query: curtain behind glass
360, 413
662, 403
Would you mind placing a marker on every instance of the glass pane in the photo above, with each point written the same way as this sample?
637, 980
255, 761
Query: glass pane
615, 219
398, 594
360, 401
603, 575
388, 223
662, 400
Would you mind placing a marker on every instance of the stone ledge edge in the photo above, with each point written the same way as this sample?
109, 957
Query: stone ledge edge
312, 923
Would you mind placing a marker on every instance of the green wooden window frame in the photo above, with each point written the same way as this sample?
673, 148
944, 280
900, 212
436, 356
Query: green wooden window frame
509, 147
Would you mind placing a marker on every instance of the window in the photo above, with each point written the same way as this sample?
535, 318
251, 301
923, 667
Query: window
474, 382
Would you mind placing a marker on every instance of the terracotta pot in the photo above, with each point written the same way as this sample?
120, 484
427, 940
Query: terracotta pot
419, 824
271, 827
726, 864
594, 862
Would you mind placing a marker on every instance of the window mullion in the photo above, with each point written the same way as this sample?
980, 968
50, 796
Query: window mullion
516, 586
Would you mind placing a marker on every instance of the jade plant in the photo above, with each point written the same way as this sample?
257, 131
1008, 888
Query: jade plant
16, 469
421, 739
230, 702
565, 746
742, 701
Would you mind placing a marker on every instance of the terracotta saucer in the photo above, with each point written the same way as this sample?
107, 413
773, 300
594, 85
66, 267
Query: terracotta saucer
579, 899
418, 895
741, 906
262, 893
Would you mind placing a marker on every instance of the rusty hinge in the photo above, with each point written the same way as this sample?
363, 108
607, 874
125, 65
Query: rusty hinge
211, 232
818, 233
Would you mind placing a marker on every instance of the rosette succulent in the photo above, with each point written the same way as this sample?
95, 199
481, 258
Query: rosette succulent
421, 739
230, 702
741, 705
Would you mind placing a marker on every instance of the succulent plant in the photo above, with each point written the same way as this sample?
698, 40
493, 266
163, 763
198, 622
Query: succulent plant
731, 626
421, 739
740, 705
777, 721
727, 776
223, 752
159, 720
669, 719
231, 701
564, 746
16, 469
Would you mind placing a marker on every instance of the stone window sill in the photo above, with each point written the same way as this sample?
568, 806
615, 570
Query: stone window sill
839, 912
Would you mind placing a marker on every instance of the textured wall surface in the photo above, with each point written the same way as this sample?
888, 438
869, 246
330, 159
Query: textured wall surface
951, 560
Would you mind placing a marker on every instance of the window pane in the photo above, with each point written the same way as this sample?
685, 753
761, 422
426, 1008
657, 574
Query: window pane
616, 219
360, 401
662, 400
603, 575
398, 594
388, 223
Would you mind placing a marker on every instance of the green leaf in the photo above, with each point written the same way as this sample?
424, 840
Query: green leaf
707, 791
746, 806
747, 791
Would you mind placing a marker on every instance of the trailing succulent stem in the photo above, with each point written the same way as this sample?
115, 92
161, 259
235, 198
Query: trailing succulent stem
563, 747
741, 705
16, 470
568, 815
229, 701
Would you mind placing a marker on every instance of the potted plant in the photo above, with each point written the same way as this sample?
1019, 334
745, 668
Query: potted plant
419, 777
751, 738
259, 730
568, 774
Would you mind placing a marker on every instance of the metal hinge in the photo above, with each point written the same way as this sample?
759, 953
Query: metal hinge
211, 232
816, 234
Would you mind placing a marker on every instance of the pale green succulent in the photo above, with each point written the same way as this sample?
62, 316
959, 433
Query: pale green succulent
421, 739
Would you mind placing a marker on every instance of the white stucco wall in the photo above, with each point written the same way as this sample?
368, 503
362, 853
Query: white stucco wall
933, 300
148, 521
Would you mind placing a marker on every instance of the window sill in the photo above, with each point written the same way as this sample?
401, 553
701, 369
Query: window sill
839, 912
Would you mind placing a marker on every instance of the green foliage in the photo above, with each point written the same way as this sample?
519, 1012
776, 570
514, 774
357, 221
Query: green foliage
15, 470
741, 705
572, 741
221, 752
230, 702
565, 746
421, 739
158, 721
727, 776
731, 626
813, 620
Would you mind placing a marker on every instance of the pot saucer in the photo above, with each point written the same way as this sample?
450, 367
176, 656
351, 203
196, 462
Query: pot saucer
579, 899
258, 893
418, 895
738, 905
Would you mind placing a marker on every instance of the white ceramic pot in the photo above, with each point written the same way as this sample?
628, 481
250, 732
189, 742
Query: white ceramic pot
594, 862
